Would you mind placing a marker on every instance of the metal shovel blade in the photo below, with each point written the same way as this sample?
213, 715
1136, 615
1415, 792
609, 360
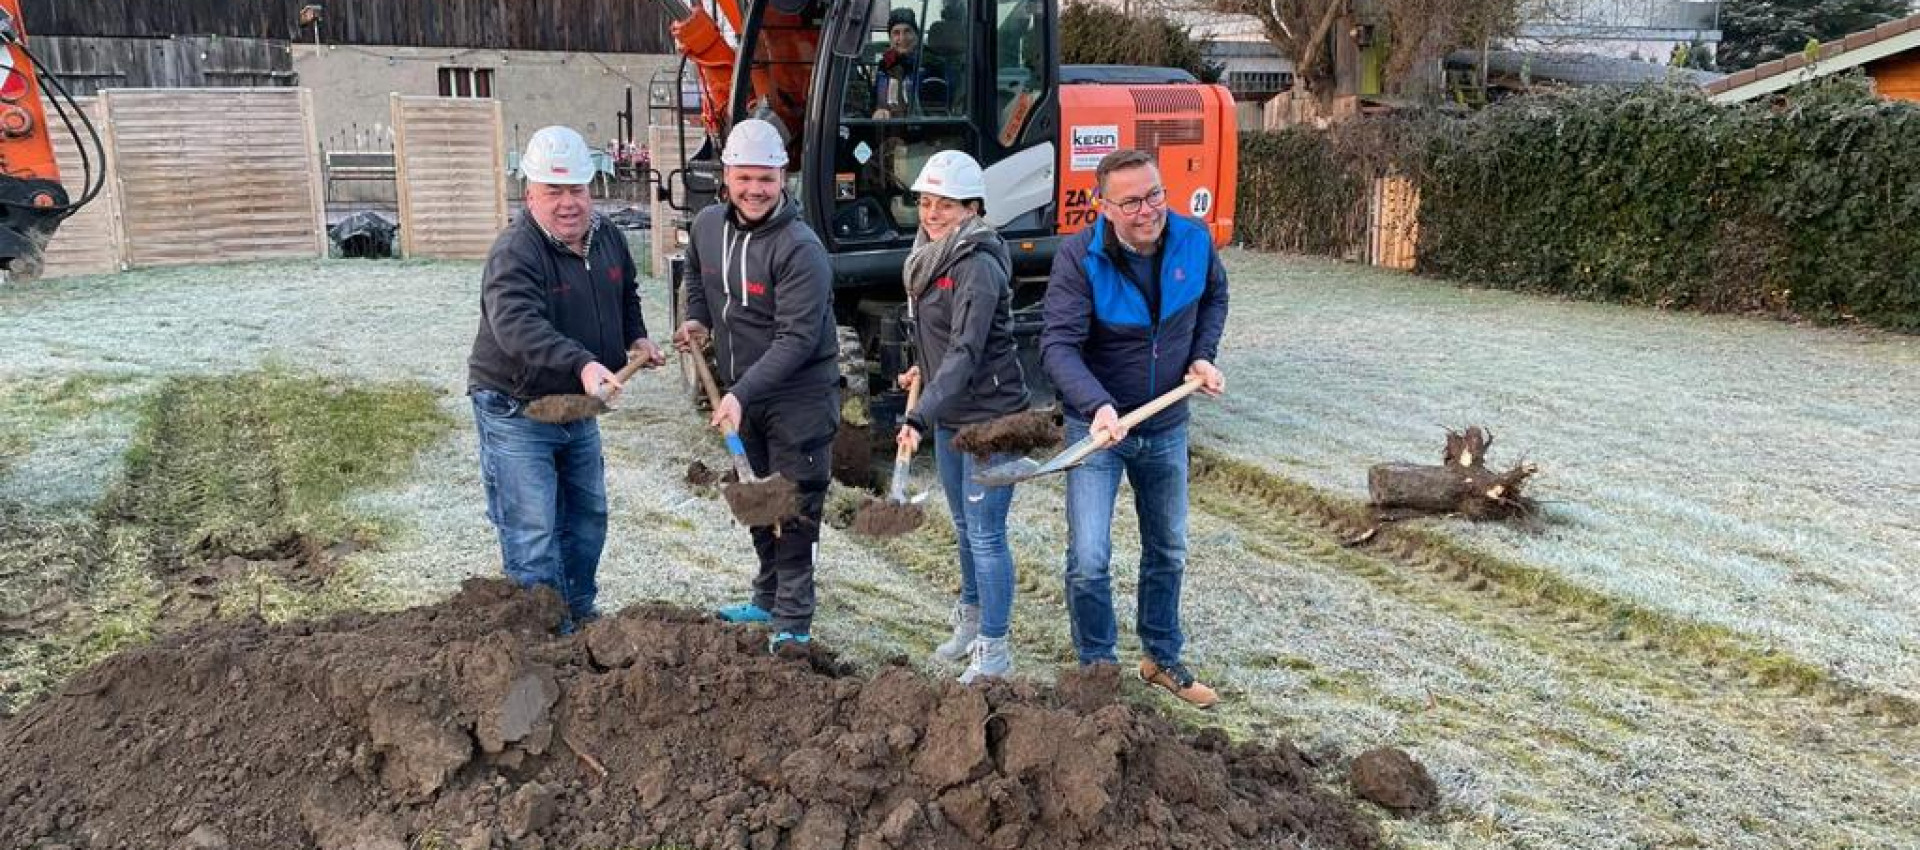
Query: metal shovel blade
1016, 471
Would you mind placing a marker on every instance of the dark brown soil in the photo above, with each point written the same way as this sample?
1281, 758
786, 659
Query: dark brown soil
1019, 433
466, 724
701, 475
887, 518
1390, 777
565, 409
853, 457
769, 501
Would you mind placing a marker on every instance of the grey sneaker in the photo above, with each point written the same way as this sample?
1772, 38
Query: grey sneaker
991, 660
966, 627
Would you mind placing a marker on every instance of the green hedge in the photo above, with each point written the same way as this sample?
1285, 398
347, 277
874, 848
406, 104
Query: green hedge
1651, 196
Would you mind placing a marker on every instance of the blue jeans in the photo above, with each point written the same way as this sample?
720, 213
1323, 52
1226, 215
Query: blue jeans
1156, 465
546, 495
980, 523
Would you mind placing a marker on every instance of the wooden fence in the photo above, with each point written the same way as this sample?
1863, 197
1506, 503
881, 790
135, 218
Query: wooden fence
88, 242
449, 159
193, 176
206, 175
1393, 215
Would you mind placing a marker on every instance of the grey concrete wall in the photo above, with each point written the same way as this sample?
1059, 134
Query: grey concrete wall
351, 84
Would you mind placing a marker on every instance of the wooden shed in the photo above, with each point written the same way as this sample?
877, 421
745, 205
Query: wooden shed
1890, 53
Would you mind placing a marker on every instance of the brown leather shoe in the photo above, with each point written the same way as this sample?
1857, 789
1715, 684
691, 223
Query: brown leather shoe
1177, 679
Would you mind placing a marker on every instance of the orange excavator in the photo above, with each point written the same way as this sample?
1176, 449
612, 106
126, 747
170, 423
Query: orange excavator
33, 201
866, 90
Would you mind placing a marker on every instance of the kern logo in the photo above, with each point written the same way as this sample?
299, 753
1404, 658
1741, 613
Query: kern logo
1089, 144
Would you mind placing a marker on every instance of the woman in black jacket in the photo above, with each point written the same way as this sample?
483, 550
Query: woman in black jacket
959, 281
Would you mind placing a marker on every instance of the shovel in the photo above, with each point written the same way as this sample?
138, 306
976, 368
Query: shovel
755, 501
897, 514
568, 409
1016, 471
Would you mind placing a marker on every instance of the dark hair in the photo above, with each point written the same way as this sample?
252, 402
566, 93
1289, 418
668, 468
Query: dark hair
900, 16
1120, 160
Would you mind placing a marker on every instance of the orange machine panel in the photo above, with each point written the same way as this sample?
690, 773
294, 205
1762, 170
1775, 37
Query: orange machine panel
25, 149
1189, 128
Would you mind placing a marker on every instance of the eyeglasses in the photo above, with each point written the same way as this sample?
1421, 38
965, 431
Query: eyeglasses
1156, 199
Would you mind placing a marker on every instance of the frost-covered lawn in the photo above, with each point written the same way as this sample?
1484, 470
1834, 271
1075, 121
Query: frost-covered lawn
1746, 473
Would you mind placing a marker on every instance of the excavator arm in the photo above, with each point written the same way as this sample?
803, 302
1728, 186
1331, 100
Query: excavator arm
33, 201
700, 40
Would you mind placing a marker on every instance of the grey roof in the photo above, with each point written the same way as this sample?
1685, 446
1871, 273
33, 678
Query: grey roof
1239, 49
1581, 69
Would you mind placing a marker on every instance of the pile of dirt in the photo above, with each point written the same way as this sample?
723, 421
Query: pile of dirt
467, 724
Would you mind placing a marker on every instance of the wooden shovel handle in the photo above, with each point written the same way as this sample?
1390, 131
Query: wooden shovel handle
626, 373
1146, 411
706, 376
900, 454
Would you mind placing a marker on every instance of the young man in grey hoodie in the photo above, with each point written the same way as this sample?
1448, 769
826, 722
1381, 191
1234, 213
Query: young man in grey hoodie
761, 286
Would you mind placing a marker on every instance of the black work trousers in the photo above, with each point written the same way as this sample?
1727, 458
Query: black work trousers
791, 435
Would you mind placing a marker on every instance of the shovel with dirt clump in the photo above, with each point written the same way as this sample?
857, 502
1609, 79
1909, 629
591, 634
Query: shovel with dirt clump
568, 409
755, 501
1016, 471
896, 514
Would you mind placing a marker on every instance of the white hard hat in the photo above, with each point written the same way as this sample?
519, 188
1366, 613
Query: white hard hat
756, 143
952, 174
557, 155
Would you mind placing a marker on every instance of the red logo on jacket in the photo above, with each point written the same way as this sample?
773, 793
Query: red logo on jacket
613, 274
755, 288
944, 283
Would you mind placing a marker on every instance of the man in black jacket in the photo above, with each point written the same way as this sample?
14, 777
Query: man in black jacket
559, 310
761, 280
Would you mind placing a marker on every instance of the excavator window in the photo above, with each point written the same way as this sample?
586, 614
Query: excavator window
1020, 52
785, 45
905, 99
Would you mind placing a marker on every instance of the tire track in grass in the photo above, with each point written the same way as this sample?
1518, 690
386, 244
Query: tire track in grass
1542, 729
1588, 627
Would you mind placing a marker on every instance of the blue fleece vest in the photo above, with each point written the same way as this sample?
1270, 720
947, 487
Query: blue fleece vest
1122, 308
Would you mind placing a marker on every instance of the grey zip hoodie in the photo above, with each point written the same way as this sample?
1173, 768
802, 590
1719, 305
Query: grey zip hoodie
765, 289
963, 330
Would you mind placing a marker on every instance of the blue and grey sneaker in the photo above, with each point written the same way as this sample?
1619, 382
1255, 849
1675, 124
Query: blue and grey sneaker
786, 639
745, 612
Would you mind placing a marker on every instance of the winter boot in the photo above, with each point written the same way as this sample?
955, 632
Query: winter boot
966, 627
992, 659
785, 640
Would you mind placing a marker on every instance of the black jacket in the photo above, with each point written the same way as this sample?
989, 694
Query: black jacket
963, 331
766, 291
546, 312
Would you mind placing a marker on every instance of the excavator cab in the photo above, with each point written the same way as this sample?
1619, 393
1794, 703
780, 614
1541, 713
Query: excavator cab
865, 91
905, 79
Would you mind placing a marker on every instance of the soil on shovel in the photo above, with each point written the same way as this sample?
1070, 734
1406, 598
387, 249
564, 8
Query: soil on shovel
1019, 433
467, 724
887, 518
769, 501
565, 409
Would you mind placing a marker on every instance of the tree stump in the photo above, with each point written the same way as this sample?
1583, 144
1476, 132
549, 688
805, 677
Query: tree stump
1461, 485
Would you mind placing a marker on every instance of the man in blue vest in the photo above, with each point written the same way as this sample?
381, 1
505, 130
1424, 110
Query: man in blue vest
1135, 306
